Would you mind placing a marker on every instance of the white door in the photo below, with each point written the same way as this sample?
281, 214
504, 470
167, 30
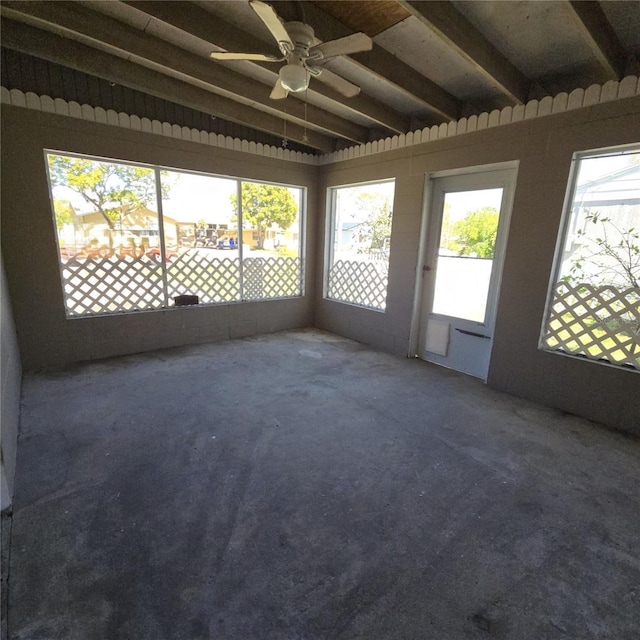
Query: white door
467, 225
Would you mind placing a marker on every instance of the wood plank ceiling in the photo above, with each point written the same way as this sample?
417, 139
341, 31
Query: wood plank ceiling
430, 62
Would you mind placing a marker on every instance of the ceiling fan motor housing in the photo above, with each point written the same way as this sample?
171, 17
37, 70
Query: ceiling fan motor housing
294, 75
301, 35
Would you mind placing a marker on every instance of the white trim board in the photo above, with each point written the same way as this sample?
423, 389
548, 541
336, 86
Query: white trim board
578, 98
72, 109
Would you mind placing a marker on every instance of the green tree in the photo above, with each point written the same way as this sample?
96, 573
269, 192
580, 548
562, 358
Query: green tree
612, 256
447, 239
476, 233
609, 255
105, 184
377, 225
265, 206
63, 213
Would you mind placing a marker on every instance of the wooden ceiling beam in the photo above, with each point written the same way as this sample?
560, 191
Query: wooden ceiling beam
42, 44
101, 28
201, 24
600, 36
378, 16
379, 62
459, 34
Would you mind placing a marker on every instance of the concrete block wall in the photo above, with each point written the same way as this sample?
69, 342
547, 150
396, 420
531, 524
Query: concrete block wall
46, 337
544, 148
11, 381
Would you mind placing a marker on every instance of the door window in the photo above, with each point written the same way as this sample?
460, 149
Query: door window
465, 253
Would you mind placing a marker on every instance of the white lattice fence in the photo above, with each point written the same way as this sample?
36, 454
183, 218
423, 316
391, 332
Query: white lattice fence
600, 323
271, 278
211, 279
110, 285
363, 283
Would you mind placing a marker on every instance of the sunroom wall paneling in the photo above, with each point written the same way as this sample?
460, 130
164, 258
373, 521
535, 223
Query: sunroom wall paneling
544, 149
46, 337
11, 381
542, 146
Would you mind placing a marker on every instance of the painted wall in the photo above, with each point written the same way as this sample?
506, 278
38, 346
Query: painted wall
11, 380
46, 337
544, 148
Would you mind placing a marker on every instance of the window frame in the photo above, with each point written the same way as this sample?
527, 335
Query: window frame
156, 169
561, 239
302, 225
331, 202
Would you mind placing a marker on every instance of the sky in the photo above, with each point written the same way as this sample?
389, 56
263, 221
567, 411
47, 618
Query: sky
192, 197
597, 167
348, 196
195, 197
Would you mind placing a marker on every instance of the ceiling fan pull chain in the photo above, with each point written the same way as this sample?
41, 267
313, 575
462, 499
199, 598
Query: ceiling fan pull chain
305, 137
285, 142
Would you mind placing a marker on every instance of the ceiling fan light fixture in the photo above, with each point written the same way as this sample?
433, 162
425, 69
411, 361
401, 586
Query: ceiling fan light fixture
304, 58
294, 78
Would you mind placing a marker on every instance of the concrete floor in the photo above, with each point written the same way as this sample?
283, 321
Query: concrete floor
300, 486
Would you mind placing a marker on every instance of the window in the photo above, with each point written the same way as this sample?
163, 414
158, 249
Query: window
133, 237
593, 310
199, 221
272, 265
359, 242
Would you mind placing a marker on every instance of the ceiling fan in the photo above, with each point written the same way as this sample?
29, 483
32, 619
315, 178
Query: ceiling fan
304, 59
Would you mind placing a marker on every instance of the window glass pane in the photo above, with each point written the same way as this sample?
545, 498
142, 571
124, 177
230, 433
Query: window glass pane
465, 254
106, 219
201, 237
361, 236
113, 236
271, 236
594, 309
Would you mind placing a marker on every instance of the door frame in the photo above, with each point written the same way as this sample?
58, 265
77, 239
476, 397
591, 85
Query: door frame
427, 216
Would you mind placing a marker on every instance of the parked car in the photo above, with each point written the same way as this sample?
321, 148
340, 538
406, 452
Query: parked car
227, 243
67, 254
206, 242
155, 254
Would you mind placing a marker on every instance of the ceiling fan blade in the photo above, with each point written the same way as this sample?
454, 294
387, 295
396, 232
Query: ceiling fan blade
268, 15
343, 46
278, 91
339, 84
245, 56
